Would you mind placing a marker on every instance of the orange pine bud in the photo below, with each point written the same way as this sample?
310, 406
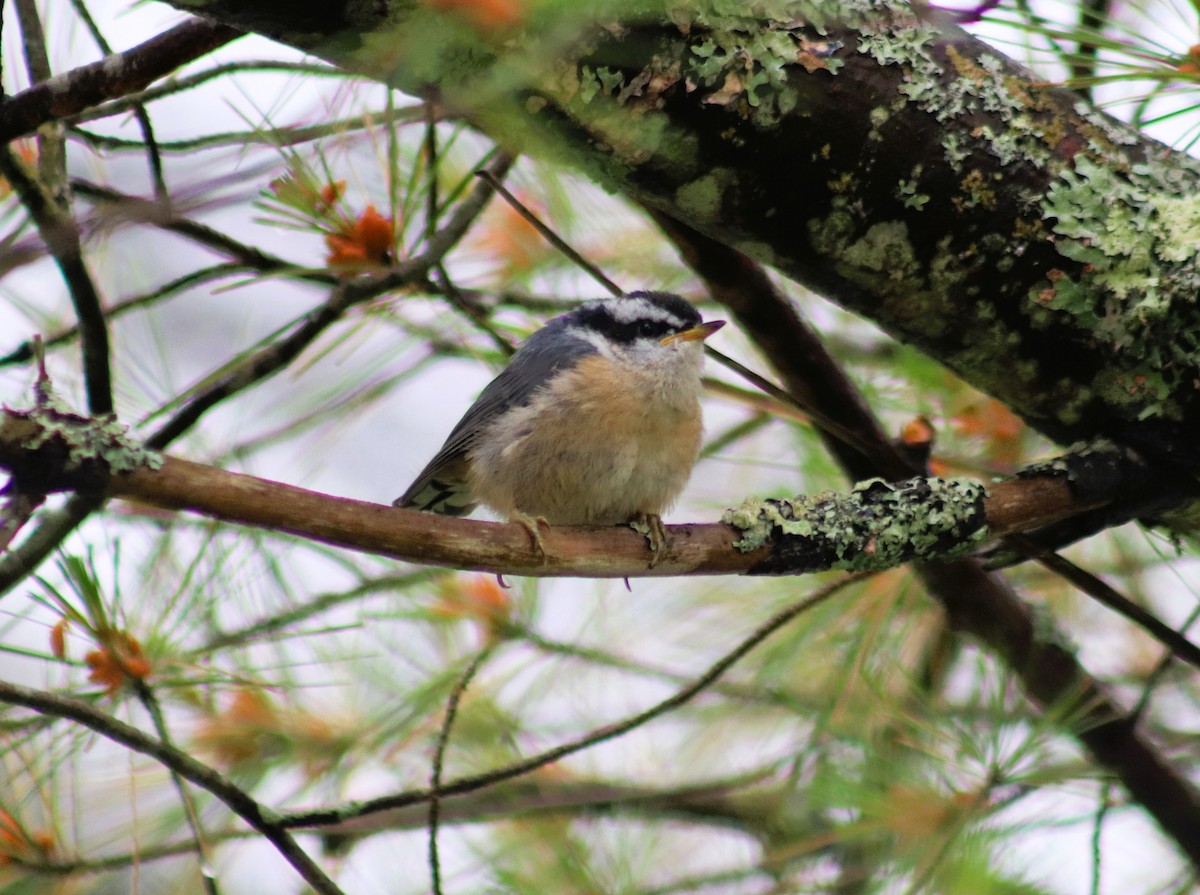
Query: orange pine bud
330, 193
917, 432
121, 658
375, 233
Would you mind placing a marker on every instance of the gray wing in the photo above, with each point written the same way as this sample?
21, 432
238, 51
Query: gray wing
441, 487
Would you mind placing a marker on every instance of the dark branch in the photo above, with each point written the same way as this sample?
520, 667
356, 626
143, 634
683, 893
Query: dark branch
117, 75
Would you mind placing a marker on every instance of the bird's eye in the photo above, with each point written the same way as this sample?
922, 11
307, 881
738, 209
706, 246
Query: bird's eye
649, 328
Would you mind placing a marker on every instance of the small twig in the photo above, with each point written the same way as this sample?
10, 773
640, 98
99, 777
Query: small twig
1093, 14
1097, 831
431, 170
439, 757
19, 562
277, 137
478, 317
550, 236
24, 351
149, 701
52, 153
61, 236
153, 213
266, 627
176, 85
1105, 594
1160, 671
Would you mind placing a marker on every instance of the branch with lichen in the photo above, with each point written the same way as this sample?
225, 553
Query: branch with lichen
875, 526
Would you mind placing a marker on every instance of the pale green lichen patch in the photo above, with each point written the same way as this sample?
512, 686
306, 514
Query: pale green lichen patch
1137, 234
876, 526
99, 443
702, 198
744, 54
885, 253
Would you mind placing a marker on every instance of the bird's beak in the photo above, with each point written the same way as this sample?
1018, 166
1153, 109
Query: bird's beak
696, 333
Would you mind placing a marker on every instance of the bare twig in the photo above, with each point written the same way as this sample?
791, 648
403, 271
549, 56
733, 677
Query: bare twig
149, 701
273, 136
24, 351
139, 110
52, 98
61, 235
1105, 594
439, 758
144, 211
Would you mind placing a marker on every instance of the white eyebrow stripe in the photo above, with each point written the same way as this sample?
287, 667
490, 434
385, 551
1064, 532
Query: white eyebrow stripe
626, 310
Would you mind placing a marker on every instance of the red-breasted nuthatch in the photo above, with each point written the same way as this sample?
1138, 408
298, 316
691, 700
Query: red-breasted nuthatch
595, 420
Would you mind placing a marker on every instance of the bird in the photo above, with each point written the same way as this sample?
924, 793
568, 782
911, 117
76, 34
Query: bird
594, 421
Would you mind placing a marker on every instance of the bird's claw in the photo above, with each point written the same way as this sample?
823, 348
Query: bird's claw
650, 526
533, 524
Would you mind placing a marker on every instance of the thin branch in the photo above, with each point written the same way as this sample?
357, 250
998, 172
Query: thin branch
1102, 592
145, 211
180, 84
275, 137
273, 624
599, 735
235, 798
61, 236
149, 701
21, 561
52, 155
53, 98
439, 758
24, 351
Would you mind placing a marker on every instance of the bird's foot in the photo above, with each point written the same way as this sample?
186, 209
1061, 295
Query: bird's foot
533, 524
650, 526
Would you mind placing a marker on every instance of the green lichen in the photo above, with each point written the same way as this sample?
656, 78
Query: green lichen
89, 442
702, 198
906, 191
745, 54
1136, 234
876, 526
885, 254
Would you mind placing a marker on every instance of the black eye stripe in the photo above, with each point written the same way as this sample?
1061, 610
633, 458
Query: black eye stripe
640, 316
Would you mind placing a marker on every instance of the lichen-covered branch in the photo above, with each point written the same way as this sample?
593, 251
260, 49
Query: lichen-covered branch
875, 527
